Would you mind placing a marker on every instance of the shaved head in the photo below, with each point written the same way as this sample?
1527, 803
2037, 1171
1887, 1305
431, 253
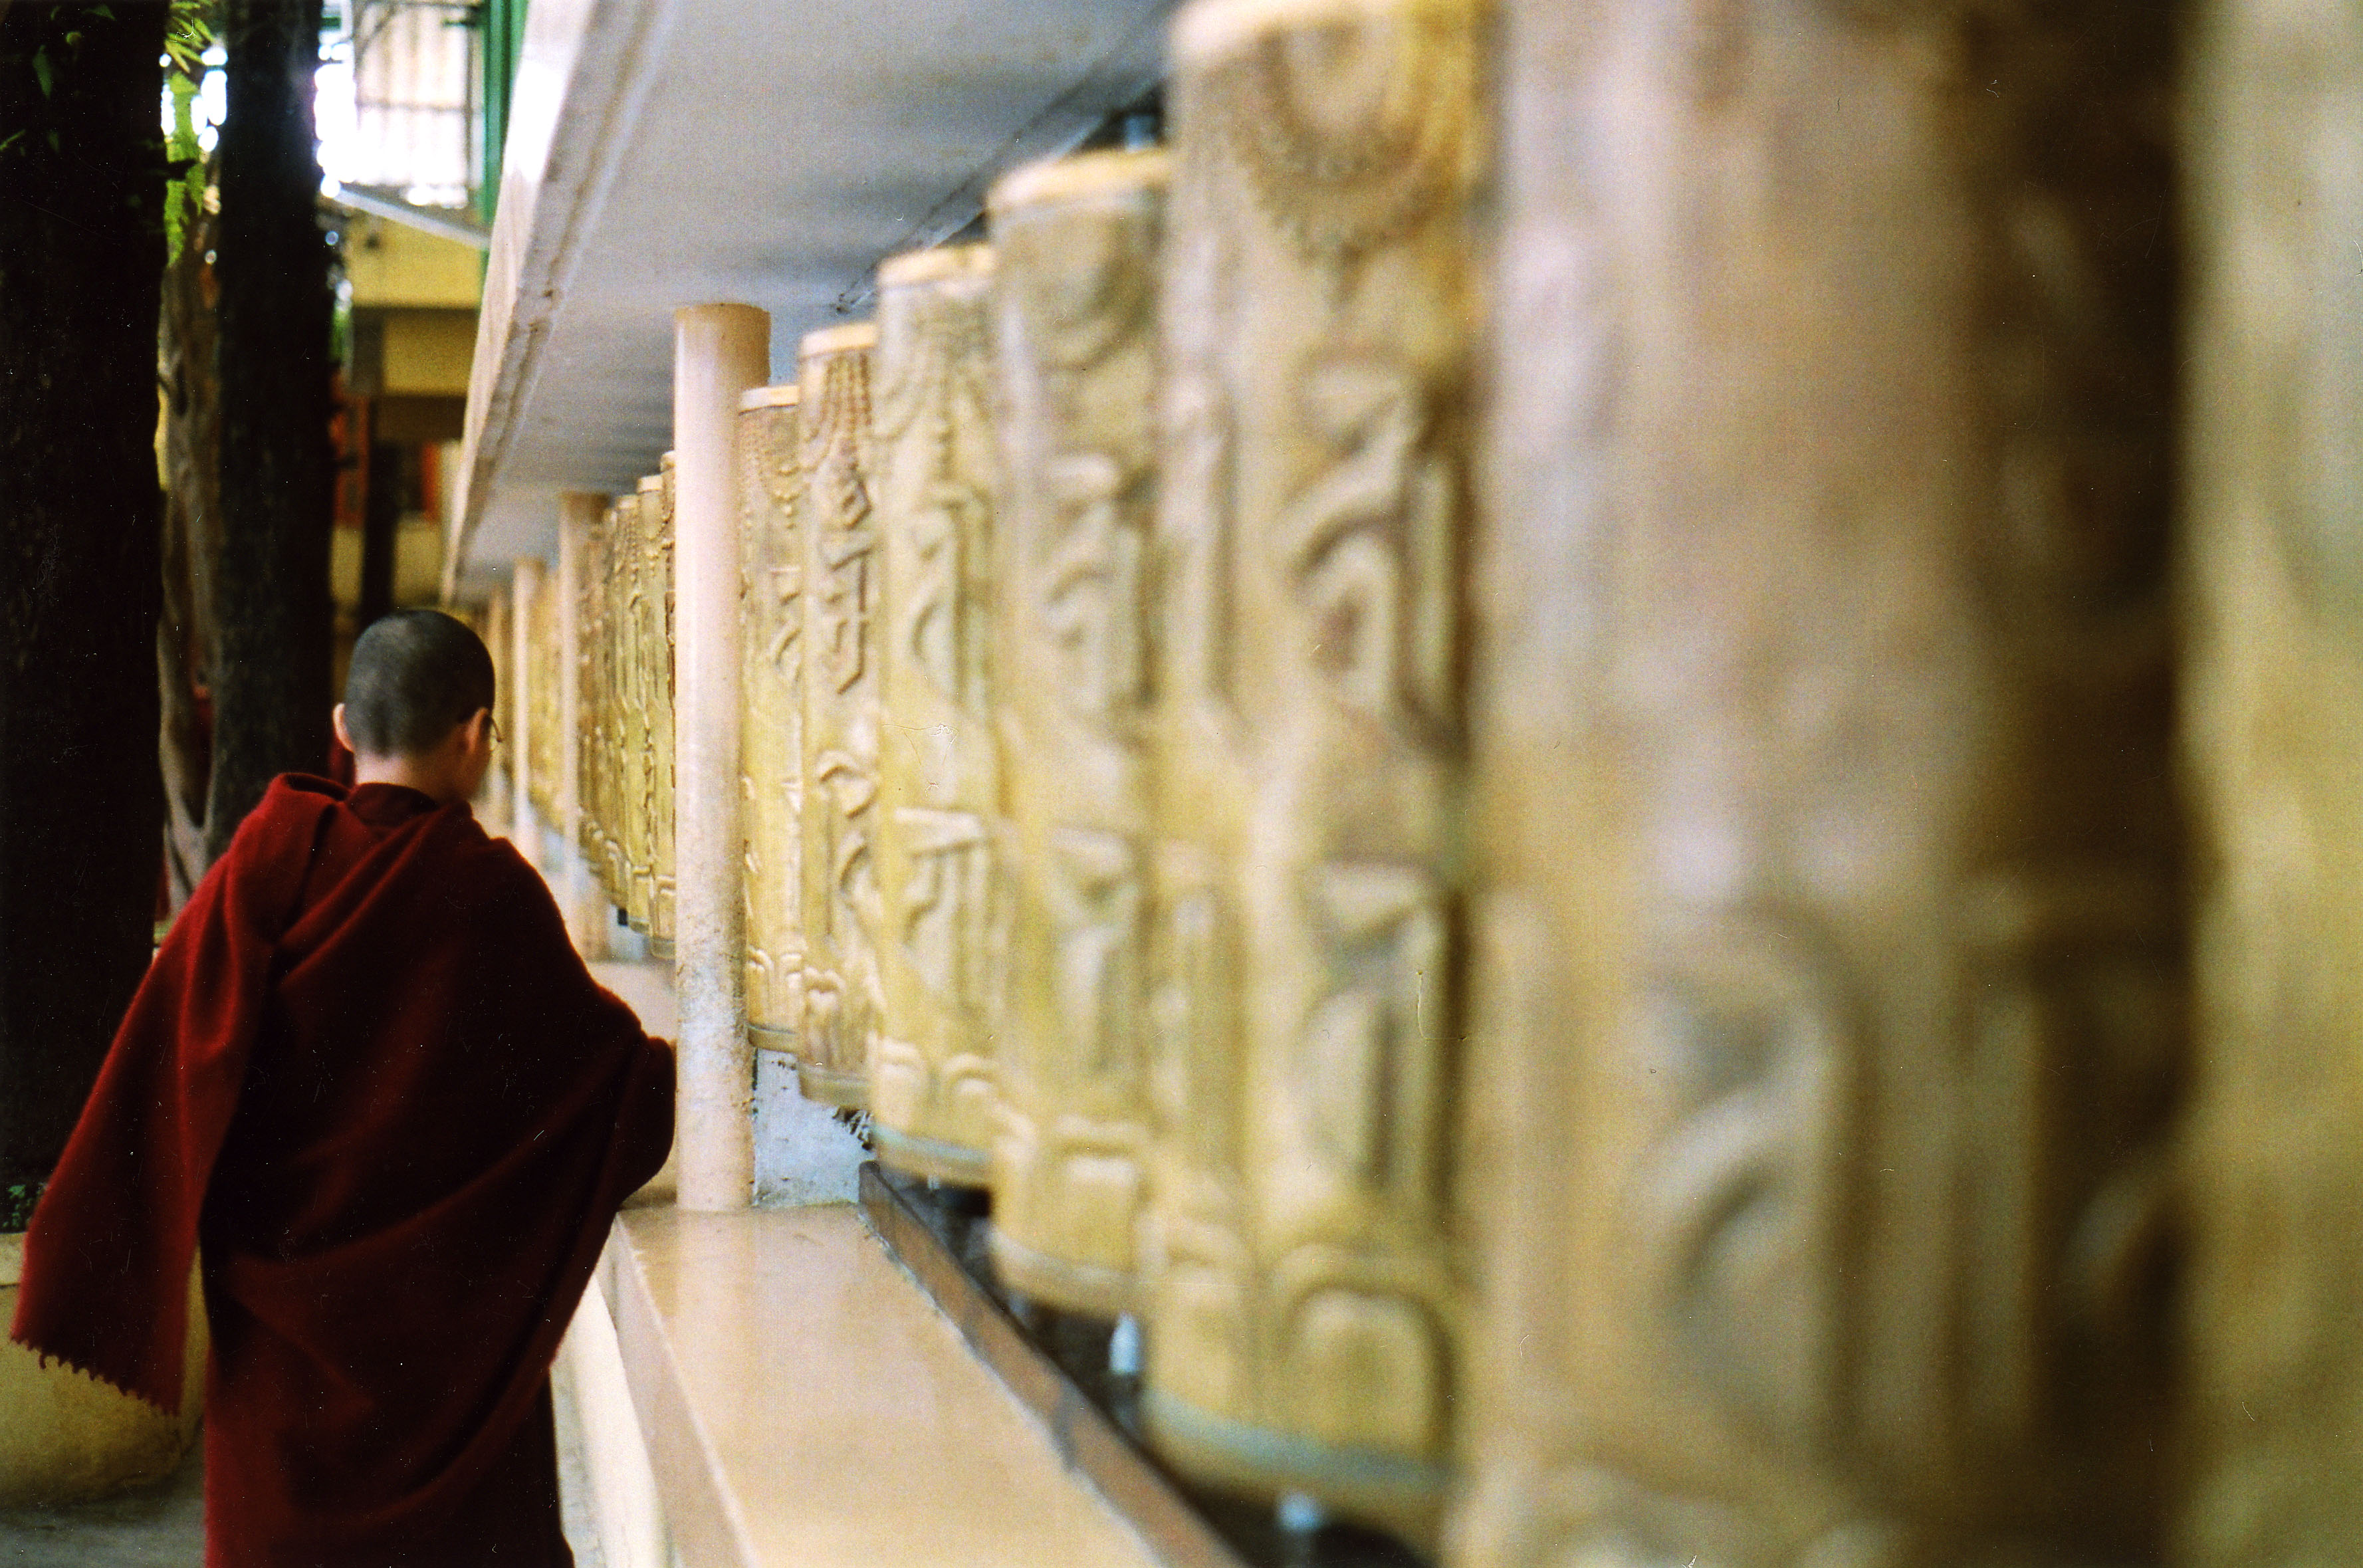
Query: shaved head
415, 676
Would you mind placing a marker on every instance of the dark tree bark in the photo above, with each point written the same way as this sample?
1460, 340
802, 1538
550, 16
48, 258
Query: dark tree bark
272, 616
191, 376
82, 254
381, 524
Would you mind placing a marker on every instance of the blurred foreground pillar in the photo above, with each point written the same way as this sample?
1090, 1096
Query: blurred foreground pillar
1830, 977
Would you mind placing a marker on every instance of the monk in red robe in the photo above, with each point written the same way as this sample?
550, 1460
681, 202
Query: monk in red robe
370, 1073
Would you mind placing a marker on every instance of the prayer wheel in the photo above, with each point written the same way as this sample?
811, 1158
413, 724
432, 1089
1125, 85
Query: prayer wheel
842, 921
636, 513
1075, 335
496, 796
772, 570
590, 715
606, 662
2274, 656
657, 538
1831, 996
931, 1091
1307, 755
542, 747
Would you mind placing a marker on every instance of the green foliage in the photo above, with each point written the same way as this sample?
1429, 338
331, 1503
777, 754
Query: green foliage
188, 34
16, 1201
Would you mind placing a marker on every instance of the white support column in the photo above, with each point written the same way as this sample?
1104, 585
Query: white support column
586, 911
525, 581
720, 351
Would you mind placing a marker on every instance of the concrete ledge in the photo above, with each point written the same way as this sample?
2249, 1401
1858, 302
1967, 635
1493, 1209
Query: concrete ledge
804, 1403
1087, 1440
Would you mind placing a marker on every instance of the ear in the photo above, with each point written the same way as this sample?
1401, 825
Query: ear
336, 723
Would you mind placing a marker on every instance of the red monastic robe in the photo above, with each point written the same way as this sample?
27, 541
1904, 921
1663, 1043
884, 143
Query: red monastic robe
369, 1069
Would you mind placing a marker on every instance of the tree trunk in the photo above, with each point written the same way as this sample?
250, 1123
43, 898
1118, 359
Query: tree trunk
191, 530
271, 614
380, 523
81, 256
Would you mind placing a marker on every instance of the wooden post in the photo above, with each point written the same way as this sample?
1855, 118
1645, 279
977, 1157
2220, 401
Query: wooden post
719, 352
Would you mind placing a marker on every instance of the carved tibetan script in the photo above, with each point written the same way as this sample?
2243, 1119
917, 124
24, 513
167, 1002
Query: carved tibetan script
772, 571
840, 909
1075, 337
932, 1095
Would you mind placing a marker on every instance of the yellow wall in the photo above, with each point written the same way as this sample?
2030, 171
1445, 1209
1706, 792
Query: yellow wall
396, 266
429, 350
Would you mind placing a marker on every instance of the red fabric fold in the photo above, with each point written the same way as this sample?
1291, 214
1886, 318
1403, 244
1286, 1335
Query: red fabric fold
370, 1072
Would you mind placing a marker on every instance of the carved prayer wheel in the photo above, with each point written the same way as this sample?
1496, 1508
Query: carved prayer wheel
931, 1094
1075, 333
842, 921
771, 716
2275, 662
542, 747
591, 716
1831, 991
636, 513
1308, 760
659, 610
610, 655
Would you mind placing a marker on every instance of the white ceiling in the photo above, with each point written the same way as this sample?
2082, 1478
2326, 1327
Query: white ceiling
770, 152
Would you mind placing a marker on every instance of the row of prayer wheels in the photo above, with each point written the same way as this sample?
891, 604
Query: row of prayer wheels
626, 670
1499, 742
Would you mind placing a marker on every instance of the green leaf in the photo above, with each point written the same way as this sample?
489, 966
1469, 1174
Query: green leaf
41, 69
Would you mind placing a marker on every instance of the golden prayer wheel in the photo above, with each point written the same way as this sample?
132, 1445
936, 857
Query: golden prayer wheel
542, 747
1830, 971
771, 717
2271, 198
1075, 335
931, 1094
612, 699
591, 716
1307, 756
842, 921
637, 511
659, 674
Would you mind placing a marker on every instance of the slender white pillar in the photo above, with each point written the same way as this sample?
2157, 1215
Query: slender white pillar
525, 831
720, 351
586, 911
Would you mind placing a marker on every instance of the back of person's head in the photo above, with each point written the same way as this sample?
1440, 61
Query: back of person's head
415, 676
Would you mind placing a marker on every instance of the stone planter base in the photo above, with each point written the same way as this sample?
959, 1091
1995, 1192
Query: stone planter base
66, 1437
